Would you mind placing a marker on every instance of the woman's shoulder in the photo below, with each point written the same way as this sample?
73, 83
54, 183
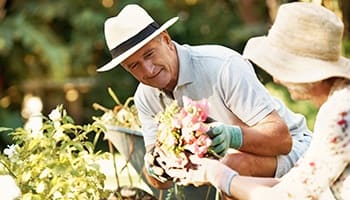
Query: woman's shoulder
338, 100
334, 114
340, 91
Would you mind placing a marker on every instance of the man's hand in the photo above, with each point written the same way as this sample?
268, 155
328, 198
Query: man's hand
224, 137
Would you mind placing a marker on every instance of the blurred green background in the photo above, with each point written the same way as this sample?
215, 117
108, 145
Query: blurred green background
50, 50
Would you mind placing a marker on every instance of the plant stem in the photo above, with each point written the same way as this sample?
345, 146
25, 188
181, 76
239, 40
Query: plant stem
96, 138
114, 96
114, 163
8, 169
97, 106
208, 192
126, 104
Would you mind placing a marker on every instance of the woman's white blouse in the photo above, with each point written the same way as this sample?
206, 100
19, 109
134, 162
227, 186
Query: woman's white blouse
325, 164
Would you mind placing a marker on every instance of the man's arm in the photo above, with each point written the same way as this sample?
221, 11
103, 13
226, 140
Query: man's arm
263, 131
269, 137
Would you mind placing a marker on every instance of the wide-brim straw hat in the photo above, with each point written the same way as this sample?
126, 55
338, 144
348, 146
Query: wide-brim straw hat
303, 45
127, 32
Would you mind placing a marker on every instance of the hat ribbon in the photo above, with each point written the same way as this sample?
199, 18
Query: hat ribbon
143, 34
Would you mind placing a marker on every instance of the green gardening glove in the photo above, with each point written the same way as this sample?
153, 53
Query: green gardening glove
225, 137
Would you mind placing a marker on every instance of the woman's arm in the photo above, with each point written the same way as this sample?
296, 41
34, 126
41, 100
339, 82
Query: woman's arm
225, 179
252, 188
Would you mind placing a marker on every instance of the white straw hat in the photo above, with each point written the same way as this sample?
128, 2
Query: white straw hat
127, 32
303, 45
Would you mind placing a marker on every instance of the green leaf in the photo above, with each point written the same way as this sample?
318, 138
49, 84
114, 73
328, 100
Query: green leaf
5, 129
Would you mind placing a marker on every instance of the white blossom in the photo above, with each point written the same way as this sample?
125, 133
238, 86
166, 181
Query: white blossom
58, 133
56, 124
10, 190
55, 115
44, 173
107, 116
26, 176
70, 195
10, 150
40, 187
36, 133
31, 158
57, 195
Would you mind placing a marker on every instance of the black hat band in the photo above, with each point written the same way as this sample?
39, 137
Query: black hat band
126, 45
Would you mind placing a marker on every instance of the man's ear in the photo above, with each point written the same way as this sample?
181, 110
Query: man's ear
167, 39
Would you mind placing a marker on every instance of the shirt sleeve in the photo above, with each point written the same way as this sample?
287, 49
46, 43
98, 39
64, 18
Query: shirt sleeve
242, 92
146, 116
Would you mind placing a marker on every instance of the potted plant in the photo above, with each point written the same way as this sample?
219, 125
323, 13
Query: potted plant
55, 160
58, 161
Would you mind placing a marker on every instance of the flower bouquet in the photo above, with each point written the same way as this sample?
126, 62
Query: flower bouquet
182, 132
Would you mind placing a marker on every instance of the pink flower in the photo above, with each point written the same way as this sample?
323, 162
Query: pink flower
197, 109
202, 128
200, 146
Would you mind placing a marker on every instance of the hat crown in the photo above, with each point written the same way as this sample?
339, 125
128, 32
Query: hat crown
315, 31
131, 20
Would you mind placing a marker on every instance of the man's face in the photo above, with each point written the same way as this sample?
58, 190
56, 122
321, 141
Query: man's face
155, 64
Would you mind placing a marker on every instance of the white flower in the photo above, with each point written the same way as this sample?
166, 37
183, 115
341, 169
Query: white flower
87, 158
57, 124
10, 150
70, 195
26, 176
123, 116
31, 158
57, 195
58, 133
36, 134
44, 173
10, 190
107, 116
55, 115
40, 187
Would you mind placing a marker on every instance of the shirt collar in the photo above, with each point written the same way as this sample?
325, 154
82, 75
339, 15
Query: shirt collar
185, 67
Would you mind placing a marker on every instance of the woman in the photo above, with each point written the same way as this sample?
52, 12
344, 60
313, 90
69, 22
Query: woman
303, 46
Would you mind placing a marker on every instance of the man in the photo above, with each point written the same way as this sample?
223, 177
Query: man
259, 136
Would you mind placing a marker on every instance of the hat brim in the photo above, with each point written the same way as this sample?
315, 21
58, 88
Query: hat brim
289, 67
116, 61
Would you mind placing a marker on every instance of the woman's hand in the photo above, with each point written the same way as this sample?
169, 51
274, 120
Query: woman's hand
205, 171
